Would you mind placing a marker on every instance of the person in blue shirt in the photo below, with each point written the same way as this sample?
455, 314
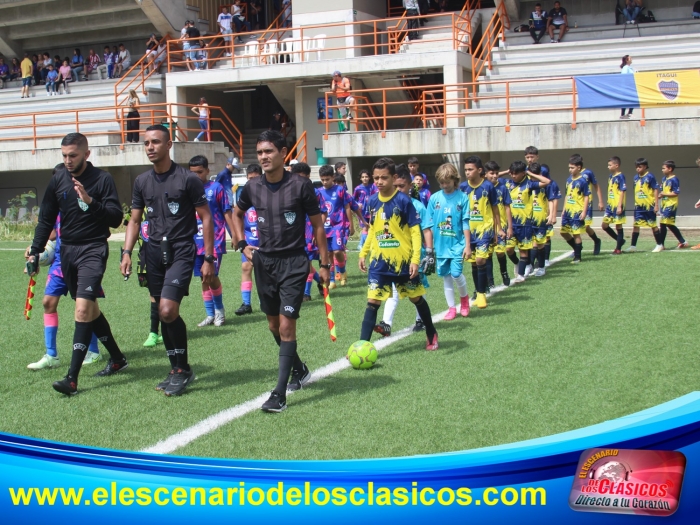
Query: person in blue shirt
224, 178
589, 176
361, 195
538, 23
250, 228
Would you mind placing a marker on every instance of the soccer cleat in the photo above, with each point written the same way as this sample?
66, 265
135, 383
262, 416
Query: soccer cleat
332, 285
631, 249
474, 296
539, 272
547, 264
244, 309
320, 288
299, 379
419, 326
179, 381
160, 340
576, 261
617, 252
682, 245
528, 270
518, 279
219, 317
207, 321
166, 382
276, 403
151, 340
46, 361
506, 279
491, 284
432, 345
451, 314
306, 298
112, 368
464, 306
383, 329
658, 248
481, 300
92, 357
66, 386
343, 281
596, 247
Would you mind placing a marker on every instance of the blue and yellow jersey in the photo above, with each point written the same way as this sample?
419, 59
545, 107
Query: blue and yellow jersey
503, 198
540, 206
589, 177
482, 199
669, 205
448, 217
644, 186
394, 230
522, 197
576, 191
616, 185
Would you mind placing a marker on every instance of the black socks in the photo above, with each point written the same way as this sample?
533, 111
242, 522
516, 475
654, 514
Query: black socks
635, 236
155, 317
370, 321
522, 264
288, 356
541, 256
503, 265
513, 258
610, 232
481, 279
103, 332
177, 330
81, 342
620, 238
427, 317
675, 231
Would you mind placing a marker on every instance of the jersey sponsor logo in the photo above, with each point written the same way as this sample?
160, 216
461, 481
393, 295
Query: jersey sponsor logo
82, 204
210, 193
445, 228
144, 231
173, 207
290, 217
289, 309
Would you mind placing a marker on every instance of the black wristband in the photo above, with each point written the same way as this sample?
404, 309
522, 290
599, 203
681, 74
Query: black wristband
242, 245
209, 258
126, 252
325, 266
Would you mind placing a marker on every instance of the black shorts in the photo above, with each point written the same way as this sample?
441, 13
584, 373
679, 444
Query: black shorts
173, 282
280, 282
83, 268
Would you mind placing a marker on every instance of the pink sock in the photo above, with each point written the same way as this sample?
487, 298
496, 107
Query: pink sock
217, 292
310, 277
207, 295
51, 320
246, 286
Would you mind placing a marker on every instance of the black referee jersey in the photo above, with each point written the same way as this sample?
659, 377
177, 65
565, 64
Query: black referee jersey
282, 209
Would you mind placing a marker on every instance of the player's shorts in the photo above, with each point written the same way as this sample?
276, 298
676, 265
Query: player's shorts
668, 218
56, 286
539, 233
199, 261
644, 219
589, 216
280, 282
379, 286
481, 249
83, 268
453, 267
312, 253
550, 231
498, 244
336, 243
572, 225
171, 282
521, 239
611, 217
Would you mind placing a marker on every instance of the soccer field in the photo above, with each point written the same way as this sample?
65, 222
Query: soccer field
584, 344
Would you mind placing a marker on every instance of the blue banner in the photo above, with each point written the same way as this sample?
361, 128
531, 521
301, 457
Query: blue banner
607, 91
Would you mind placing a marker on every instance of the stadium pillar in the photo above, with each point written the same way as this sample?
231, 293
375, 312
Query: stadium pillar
512, 8
453, 74
9, 47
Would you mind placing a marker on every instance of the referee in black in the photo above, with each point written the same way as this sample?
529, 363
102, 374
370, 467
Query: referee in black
87, 200
282, 201
170, 194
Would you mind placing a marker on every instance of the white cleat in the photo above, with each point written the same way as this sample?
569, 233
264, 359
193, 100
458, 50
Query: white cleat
219, 317
539, 272
528, 270
207, 321
45, 362
546, 263
659, 248
92, 357
631, 249
518, 279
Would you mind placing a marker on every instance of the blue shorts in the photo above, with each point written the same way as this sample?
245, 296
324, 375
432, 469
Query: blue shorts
312, 255
336, 243
379, 286
451, 267
539, 232
26, 81
645, 218
199, 261
55, 285
481, 248
522, 237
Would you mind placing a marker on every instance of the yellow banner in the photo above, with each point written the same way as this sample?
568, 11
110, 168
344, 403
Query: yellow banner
668, 88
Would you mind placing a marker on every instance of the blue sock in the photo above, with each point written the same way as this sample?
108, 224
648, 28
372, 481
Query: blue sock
50, 339
218, 300
307, 288
246, 297
332, 277
317, 277
93, 345
208, 303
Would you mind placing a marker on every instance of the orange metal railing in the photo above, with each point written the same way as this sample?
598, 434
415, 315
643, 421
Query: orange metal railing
495, 30
146, 68
298, 151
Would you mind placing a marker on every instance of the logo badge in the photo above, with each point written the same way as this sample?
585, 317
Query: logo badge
173, 207
289, 309
82, 204
290, 216
669, 89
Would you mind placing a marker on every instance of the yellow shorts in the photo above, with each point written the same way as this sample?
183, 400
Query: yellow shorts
521, 239
670, 221
589, 220
379, 287
550, 231
498, 245
613, 218
481, 249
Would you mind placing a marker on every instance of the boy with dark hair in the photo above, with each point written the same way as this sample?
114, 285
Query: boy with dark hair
615, 205
646, 204
573, 216
414, 169
499, 243
362, 193
250, 230
670, 188
542, 220
394, 248
589, 177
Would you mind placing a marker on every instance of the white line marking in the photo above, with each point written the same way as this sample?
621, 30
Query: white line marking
187, 436
12, 249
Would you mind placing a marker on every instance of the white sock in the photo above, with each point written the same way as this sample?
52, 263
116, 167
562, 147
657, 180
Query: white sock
449, 291
390, 306
462, 285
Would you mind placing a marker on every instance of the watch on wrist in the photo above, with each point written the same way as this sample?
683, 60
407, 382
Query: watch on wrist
325, 266
209, 258
126, 252
241, 245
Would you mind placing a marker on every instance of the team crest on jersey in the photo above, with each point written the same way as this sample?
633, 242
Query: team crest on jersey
82, 204
669, 89
173, 207
210, 193
290, 217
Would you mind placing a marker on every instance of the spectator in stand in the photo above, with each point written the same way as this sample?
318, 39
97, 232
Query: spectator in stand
239, 20
276, 123
193, 45
51, 78
107, 67
64, 76
538, 23
203, 111
133, 118
341, 87
224, 21
626, 67
442, 5
287, 4
27, 72
424, 8
557, 19
47, 61
412, 11
161, 55
255, 14
203, 56
696, 10
57, 61
93, 64
124, 60
151, 50
632, 10
15, 70
4, 73
36, 69
77, 65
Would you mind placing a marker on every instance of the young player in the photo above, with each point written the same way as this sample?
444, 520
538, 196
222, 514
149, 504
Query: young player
499, 243
484, 223
615, 205
573, 216
670, 188
414, 169
532, 154
448, 218
554, 195
589, 177
338, 204
212, 291
646, 197
361, 195
522, 191
250, 229
394, 252
423, 192
542, 221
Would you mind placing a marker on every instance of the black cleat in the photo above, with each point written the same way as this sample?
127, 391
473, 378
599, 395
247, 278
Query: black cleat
596, 246
474, 296
383, 329
112, 368
320, 288
491, 284
66, 386
506, 279
419, 326
306, 298
244, 309
299, 378
276, 403
166, 382
179, 381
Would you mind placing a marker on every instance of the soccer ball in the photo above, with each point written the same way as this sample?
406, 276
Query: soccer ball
362, 355
48, 255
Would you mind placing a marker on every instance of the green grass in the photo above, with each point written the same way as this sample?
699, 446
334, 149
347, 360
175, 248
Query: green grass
587, 343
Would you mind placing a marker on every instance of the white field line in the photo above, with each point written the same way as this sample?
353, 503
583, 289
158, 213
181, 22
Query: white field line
184, 437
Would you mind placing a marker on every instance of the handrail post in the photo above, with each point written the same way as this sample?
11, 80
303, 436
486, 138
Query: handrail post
444, 109
507, 106
122, 125
34, 131
325, 108
423, 101
384, 108
643, 121
573, 105
77, 123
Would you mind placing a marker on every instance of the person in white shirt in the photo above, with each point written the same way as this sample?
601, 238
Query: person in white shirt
224, 21
124, 60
